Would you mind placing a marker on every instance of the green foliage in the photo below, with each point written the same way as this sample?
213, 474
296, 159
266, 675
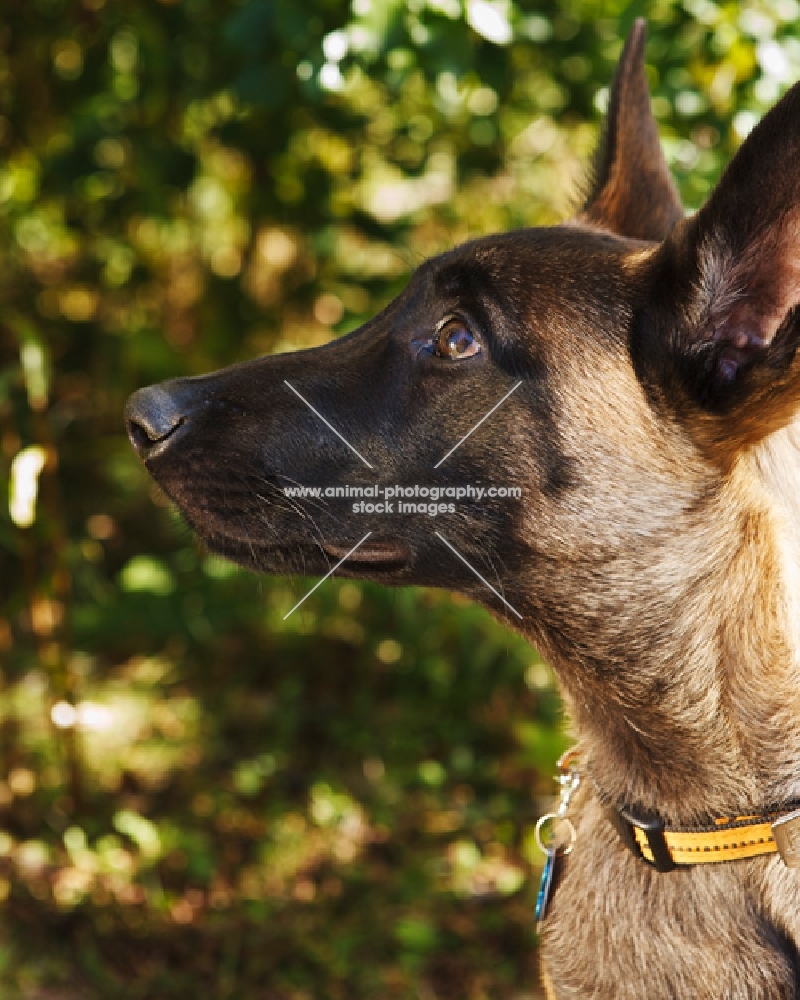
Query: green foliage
194, 795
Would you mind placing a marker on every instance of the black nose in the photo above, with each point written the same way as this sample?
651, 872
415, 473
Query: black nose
153, 418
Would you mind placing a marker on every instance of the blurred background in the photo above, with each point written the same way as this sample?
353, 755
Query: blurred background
197, 798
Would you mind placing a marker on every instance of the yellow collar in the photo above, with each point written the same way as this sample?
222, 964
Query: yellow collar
729, 839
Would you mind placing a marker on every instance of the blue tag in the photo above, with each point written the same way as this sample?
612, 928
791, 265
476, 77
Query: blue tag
545, 885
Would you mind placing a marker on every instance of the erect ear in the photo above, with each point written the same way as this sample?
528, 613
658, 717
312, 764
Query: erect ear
725, 318
633, 194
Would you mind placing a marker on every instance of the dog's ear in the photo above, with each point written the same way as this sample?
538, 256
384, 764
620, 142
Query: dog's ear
633, 193
727, 317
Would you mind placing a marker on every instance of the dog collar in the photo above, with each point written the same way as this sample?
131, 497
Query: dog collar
725, 839
775, 831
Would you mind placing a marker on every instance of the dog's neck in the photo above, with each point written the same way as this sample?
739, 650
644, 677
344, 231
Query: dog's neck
777, 461
701, 713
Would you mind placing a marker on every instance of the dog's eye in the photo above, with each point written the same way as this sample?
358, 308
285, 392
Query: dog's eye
455, 341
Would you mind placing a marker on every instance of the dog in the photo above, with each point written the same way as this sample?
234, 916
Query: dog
650, 384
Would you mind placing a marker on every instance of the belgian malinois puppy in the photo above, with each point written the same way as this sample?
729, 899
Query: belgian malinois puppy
654, 556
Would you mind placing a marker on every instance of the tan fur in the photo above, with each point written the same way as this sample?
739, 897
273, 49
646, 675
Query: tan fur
725, 569
686, 695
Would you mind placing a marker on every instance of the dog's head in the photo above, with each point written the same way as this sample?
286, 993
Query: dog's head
634, 354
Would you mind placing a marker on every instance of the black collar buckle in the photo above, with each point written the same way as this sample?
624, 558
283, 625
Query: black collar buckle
624, 822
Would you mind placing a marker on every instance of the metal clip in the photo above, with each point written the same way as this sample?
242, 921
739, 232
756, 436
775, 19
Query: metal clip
553, 846
786, 831
569, 779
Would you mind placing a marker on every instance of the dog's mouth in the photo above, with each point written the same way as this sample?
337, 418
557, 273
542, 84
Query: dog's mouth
377, 556
372, 558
